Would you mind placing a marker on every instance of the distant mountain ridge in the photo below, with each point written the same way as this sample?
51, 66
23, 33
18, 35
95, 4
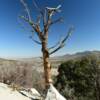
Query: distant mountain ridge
59, 58
81, 54
37, 63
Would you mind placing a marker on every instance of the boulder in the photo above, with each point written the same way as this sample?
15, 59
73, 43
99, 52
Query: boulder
7, 93
53, 94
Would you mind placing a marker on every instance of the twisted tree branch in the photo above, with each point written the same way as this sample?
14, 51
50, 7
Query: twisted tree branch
26, 9
56, 21
37, 42
62, 43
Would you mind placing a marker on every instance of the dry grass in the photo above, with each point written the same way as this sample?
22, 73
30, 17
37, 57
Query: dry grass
20, 74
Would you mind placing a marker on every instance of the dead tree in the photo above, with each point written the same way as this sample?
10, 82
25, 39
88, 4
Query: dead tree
45, 19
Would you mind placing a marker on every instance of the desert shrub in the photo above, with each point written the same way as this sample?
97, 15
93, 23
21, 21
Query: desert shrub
21, 74
38, 80
81, 78
17, 73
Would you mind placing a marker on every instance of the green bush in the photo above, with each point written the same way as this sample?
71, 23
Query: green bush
81, 78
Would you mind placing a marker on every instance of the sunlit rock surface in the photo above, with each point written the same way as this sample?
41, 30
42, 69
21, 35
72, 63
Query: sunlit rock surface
7, 93
53, 94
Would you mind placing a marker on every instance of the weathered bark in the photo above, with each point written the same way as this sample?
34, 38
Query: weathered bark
46, 63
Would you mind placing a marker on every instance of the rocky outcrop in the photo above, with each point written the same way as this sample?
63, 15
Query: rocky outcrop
8, 93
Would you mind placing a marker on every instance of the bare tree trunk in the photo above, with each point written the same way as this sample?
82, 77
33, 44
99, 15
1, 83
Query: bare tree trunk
45, 17
47, 66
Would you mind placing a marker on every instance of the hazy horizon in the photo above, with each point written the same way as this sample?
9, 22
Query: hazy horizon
56, 55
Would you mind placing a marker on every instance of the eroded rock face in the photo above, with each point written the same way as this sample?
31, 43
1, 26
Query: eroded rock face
7, 93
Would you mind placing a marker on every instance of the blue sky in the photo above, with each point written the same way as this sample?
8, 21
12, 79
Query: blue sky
83, 14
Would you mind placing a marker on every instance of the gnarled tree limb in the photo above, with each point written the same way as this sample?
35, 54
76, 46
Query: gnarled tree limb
56, 45
38, 42
26, 9
42, 12
62, 43
56, 21
38, 20
27, 20
34, 26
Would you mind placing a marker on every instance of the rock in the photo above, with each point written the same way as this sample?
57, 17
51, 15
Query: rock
32, 94
53, 94
7, 93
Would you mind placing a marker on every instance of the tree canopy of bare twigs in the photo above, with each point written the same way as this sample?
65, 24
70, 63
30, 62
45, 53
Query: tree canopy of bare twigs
45, 18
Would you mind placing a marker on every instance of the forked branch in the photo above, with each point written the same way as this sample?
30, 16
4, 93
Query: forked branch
37, 42
57, 21
42, 12
34, 26
26, 9
54, 46
62, 42
30, 22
